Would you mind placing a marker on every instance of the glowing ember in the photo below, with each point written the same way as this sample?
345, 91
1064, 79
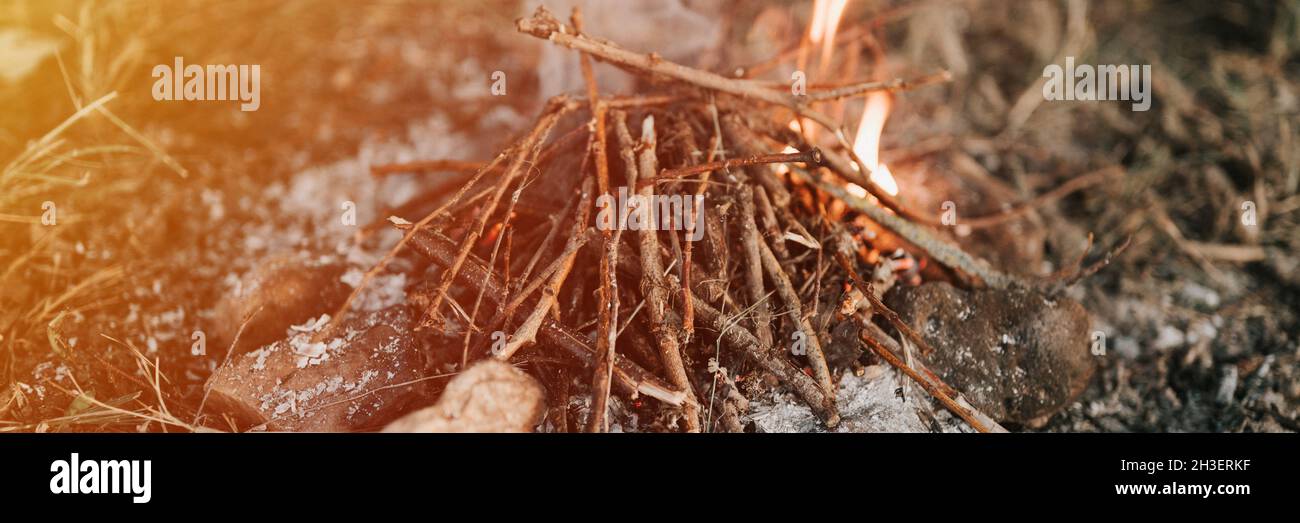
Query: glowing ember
867, 142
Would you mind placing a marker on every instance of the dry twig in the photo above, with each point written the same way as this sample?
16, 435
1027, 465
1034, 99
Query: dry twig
656, 289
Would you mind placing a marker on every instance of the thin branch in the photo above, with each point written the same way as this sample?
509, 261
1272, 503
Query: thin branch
879, 307
929, 387
785, 289
750, 240
428, 166
555, 109
337, 319
527, 331
607, 293
655, 288
1077, 183
811, 157
897, 84
631, 377
943, 252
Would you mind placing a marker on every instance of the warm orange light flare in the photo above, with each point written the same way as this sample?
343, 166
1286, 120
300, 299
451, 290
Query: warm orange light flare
867, 142
821, 30
825, 22
818, 26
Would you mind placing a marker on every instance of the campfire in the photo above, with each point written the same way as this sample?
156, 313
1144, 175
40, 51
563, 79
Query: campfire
713, 234
831, 215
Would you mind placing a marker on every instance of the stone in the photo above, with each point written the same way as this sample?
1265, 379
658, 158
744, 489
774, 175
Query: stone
491, 396
373, 372
1015, 354
289, 290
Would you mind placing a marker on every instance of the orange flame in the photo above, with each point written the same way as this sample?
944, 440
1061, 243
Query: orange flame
867, 142
827, 15
825, 23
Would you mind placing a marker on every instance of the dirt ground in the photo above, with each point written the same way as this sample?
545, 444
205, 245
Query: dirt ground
165, 207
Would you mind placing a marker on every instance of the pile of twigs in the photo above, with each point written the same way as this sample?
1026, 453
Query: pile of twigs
774, 268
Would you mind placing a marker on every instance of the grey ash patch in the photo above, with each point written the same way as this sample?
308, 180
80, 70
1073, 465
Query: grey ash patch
868, 403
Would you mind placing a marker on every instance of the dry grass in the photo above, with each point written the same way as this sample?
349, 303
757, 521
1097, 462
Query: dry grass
124, 172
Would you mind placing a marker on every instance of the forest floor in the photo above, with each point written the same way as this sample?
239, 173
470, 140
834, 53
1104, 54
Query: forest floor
167, 209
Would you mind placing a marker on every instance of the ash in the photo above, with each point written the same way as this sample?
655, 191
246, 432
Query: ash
868, 403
